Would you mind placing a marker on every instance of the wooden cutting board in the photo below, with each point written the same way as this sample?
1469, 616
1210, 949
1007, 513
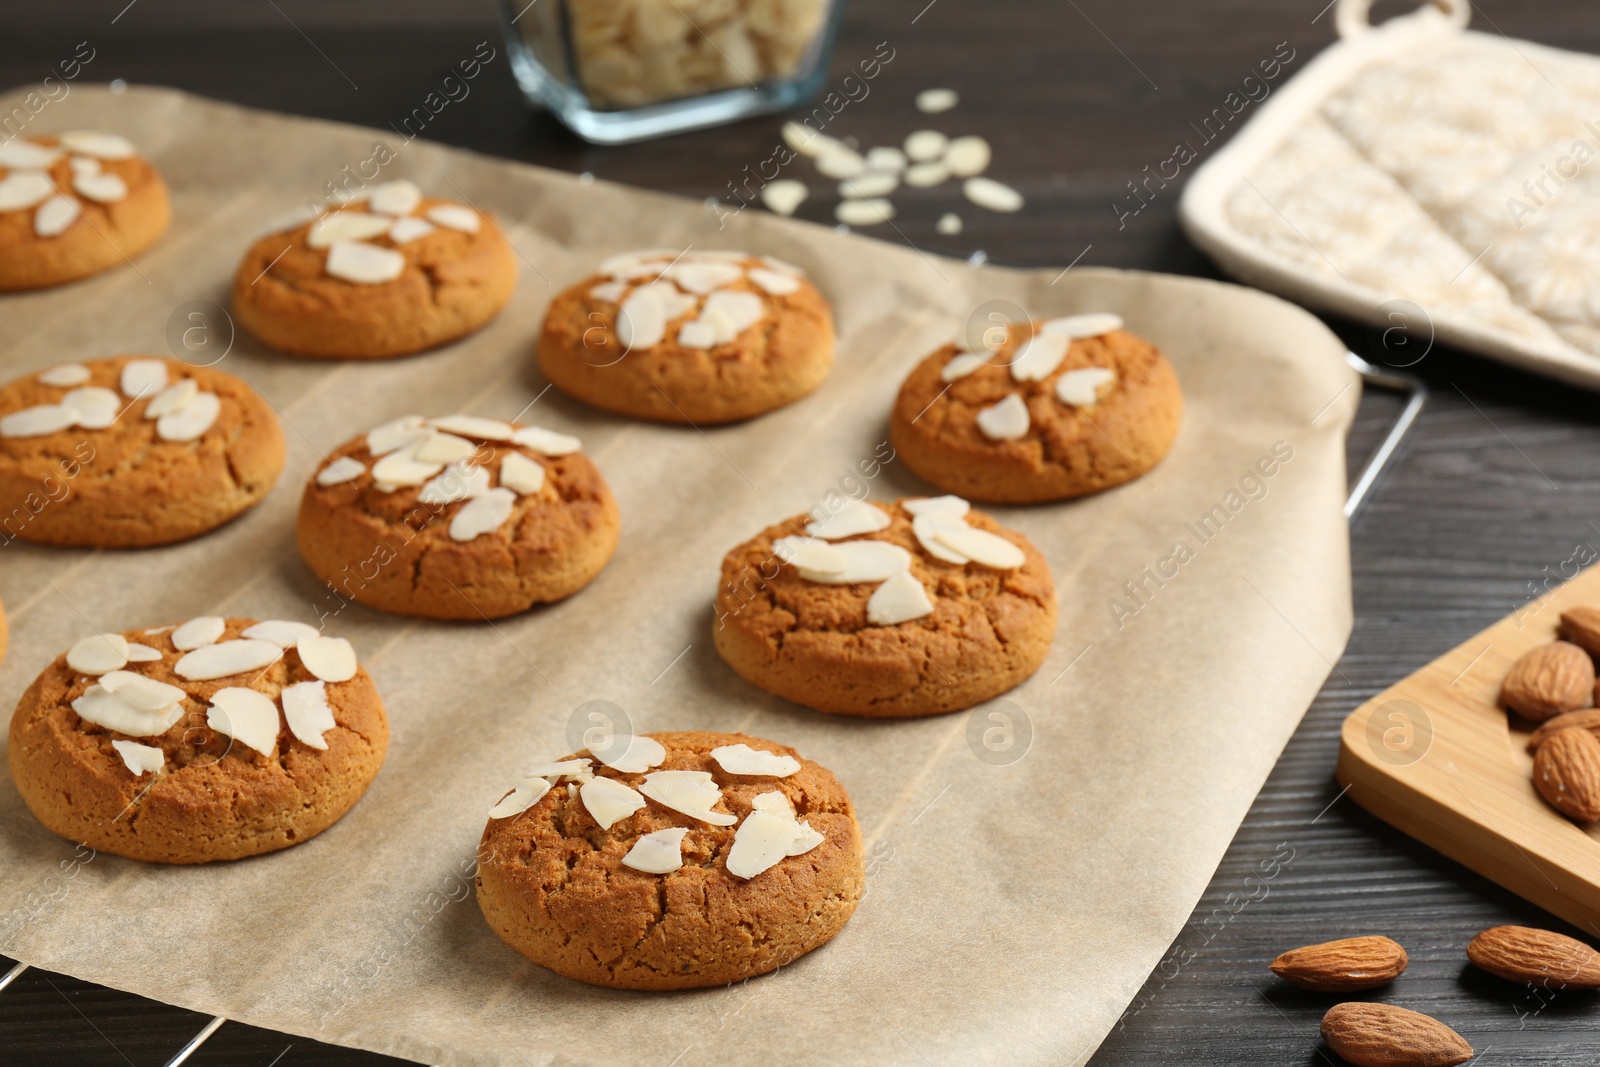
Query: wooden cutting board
1436, 756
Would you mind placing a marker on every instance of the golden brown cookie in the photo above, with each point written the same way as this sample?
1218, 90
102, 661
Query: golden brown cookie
212, 740
671, 861
131, 451
690, 337
1065, 407
457, 517
887, 610
386, 275
75, 205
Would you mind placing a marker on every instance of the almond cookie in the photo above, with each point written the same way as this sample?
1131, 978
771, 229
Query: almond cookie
386, 275
886, 610
671, 861
75, 205
211, 740
458, 517
1062, 408
689, 337
131, 451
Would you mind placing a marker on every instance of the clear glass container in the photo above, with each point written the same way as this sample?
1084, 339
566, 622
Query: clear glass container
625, 70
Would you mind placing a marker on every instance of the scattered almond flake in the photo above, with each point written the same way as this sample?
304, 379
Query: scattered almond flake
483, 514
546, 442
637, 756
444, 448
459, 481
138, 653
38, 421
404, 231
693, 793
609, 801
610, 292
869, 184
143, 378
55, 215
927, 505
806, 141
249, 717
140, 759
884, 158
396, 434
660, 852
226, 659
25, 155
193, 420
145, 694
967, 156
642, 320
64, 375
342, 469
1005, 421
852, 517
364, 264
926, 175
98, 654
455, 217
400, 469
83, 166
805, 839
840, 162
520, 799
520, 474
331, 659
281, 632
580, 767
926, 527
933, 101
703, 278
868, 212
742, 759
949, 224
1039, 357
900, 598
784, 196
106, 709
775, 282
1081, 387
810, 554
926, 145
198, 632
983, 547
475, 426
1092, 324
988, 193
865, 561
774, 803
306, 710
24, 188
173, 398
395, 198
99, 145
731, 312
760, 842
346, 226
97, 408
101, 188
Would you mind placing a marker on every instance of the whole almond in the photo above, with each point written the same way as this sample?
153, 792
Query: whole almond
1382, 1035
1543, 957
1342, 966
1549, 680
1566, 771
1581, 626
1588, 719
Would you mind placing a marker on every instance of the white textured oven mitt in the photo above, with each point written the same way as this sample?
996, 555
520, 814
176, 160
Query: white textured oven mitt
1417, 161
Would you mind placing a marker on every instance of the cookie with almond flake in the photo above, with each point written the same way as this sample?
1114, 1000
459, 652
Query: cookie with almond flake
1063, 408
919, 607
457, 517
131, 451
690, 337
388, 274
75, 205
212, 740
671, 861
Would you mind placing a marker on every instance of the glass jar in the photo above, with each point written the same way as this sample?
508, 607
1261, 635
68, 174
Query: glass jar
624, 70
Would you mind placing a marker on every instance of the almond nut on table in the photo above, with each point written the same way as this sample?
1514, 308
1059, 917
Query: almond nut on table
1566, 771
1342, 966
1542, 957
1382, 1035
1549, 680
1587, 718
1581, 626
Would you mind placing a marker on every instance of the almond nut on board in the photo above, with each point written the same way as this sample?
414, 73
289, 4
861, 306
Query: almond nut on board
1543, 957
1342, 966
1566, 771
1587, 718
1581, 626
1549, 680
1382, 1035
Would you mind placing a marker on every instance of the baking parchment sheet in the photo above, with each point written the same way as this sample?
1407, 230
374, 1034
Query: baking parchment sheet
1028, 862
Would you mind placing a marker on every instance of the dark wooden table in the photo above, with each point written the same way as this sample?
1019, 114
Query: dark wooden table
1500, 481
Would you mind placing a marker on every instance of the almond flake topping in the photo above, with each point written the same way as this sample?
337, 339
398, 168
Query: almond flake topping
98, 654
702, 277
546, 442
775, 803
775, 282
99, 145
900, 598
1090, 325
455, 217
961, 366
198, 632
25, 155
742, 759
101, 188
853, 517
953, 505
138, 653
444, 448
110, 711
981, 546
97, 408
765, 838
693, 793
404, 231
638, 753
341, 470
55, 215
1081, 388
401, 469
192, 420
306, 710
64, 374
811, 554
22, 189
926, 527
580, 768
483, 514
1006, 421
609, 801
1039, 356
173, 398
474, 426
38, 421
660, 852
396, 434
520, 474
140, 759
249, 717
143, 378
83, 166
364, 264
865, 561
346, 226
145, 694
520, 799
331, 659
226, 659
281, 632
459, 481
395, 198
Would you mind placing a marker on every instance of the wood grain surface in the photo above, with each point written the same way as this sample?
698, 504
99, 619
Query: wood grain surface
1499, 486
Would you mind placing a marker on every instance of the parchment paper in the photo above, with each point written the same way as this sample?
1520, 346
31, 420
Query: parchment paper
1013, 909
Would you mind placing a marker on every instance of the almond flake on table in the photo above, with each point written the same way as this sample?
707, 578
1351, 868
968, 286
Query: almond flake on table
784, 196
23, 189
869, 212
395, 198
960, 366
520, 474
693, 793
97, 408
138, 653
926, 527
342, 469
1092, 324
101, 188
1006, 421
99, 145
900, 598
742, 759
25, 155
198, 632
806, 141
143, 378
761, 841
306, 710
988, 193
455, 217
98, 654
949, 224
172, 398
546, 442
145, 694
520, 799
926, 145
886, 158
852, 517
474, 426
190, 421
364, 264
332, 659
249, 717
55, 215
610, 292
933, 101
810, 554
282, 632
927, 505
483, 514
404, 231
638, 755
840, 162
609, 801
65, 375
660, 852
774, 282
1039, 357
109, 711
579, 768
140, 759
865, 561
983, 547
967, 156
396, 434
700, 277
444, 448
346, 226
459, 481
869, 184
226, 659
928, 174
401, 468
38, 421
1081, 387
